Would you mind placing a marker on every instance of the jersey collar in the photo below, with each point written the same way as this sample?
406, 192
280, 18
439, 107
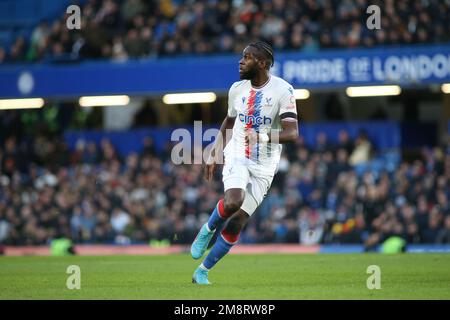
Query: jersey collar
262, 86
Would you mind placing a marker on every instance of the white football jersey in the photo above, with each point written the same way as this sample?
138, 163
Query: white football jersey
260, 109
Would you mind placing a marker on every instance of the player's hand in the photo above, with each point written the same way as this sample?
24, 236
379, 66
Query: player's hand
209, 168
251, 137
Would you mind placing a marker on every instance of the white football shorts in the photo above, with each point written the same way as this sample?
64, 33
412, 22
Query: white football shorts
252, 178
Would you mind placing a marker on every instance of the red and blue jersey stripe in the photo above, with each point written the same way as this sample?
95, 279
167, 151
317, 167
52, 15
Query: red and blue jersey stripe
253, 109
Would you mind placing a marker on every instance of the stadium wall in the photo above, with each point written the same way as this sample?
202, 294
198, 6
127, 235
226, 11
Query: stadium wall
94, 250
410, 66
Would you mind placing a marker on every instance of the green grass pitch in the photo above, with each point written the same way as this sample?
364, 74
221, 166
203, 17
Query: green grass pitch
302, 276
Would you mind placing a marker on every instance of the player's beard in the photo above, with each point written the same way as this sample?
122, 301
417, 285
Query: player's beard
248, 75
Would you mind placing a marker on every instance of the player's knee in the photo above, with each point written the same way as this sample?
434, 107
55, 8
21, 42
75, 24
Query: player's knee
233, 201
231, 206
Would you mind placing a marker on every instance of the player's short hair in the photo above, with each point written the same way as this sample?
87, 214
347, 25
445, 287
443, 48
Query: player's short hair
265, 49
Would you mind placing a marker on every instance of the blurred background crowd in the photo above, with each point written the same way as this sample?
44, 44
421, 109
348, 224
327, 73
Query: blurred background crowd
320, 194
122, 29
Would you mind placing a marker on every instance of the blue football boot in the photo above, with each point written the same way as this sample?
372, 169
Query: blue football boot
200, 276
201, 242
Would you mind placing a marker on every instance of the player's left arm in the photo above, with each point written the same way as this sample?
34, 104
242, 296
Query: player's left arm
288, 118
288, 133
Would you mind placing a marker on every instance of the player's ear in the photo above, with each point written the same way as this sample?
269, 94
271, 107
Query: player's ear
262, 64
265, 64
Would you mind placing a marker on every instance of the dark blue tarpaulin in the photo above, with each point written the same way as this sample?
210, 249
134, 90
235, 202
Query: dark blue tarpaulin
384, 135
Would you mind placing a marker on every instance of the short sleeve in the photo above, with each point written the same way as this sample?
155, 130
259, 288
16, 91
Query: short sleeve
231, 99
288, 107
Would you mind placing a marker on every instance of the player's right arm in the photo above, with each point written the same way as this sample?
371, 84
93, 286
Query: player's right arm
221, 141
223, 137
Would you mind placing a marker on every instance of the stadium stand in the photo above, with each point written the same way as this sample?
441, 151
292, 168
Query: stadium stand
144, 29
95, 195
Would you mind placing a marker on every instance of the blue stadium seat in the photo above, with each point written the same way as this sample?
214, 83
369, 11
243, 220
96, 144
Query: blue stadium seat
20, 16
6, 38
385, 162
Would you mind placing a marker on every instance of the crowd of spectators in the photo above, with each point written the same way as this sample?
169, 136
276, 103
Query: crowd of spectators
123, 29
92, 194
